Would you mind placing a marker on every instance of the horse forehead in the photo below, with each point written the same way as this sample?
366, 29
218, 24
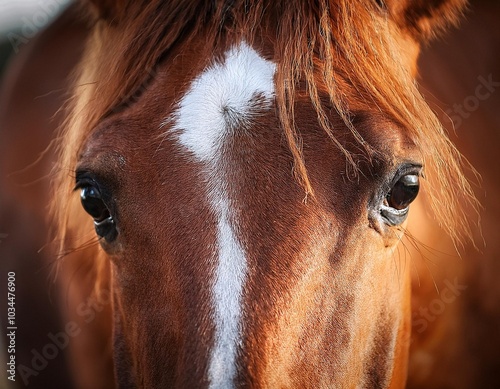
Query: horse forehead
227, 95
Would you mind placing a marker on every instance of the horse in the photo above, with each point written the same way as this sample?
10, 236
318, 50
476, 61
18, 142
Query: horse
245, 170
248, 168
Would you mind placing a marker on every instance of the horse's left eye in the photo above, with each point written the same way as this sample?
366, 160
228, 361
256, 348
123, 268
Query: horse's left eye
94, 205
403, 192
401, 195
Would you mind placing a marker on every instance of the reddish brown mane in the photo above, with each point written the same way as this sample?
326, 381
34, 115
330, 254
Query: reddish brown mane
313, 41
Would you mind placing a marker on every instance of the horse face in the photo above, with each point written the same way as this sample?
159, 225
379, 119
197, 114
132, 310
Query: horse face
224, 272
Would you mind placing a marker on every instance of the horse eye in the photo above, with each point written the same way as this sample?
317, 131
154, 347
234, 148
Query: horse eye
94, 205
397, 202
404, 191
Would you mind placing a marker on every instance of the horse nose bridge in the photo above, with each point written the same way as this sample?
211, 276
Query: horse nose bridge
247, 241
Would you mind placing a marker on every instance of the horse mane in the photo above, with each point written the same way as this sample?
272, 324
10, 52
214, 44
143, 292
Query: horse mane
314, 39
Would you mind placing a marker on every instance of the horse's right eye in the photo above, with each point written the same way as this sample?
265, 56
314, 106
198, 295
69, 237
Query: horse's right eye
94, 205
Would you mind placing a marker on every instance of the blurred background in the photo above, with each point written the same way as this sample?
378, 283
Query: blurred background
456, 341
22, 19
38, 48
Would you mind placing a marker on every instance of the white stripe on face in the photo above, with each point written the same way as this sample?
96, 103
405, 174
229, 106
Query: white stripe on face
219, 101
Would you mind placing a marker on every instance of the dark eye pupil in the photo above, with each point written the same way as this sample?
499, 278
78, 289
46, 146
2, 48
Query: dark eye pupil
93, 204
403, 192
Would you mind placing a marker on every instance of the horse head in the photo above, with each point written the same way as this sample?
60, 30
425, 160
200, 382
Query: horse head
247, 168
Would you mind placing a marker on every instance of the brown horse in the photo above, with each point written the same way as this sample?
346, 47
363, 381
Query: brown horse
248, 168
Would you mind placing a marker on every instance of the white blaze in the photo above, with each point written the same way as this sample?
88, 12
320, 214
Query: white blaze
224, 97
